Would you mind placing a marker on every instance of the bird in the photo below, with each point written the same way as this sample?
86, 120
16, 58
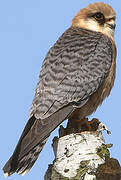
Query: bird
77, 74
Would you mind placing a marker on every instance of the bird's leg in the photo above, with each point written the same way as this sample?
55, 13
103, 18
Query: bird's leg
83, 125
89, 125
79, 125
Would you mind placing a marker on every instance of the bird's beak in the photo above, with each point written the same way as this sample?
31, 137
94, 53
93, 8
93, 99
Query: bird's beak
111, 23
112, 26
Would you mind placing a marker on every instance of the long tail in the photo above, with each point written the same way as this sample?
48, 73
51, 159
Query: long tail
32, 140
24, 164
24, 157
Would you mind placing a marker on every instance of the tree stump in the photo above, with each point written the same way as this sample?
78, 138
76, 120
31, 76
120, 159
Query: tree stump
82, 155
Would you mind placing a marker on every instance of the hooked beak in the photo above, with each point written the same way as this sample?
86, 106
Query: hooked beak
111, 24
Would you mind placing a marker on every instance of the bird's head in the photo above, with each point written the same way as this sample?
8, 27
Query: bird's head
99, 17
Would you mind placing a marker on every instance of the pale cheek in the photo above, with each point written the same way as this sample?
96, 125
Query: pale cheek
93, 26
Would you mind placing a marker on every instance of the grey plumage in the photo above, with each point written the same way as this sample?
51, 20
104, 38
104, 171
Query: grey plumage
74, 68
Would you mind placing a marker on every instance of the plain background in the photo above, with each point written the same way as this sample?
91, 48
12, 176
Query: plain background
27, 30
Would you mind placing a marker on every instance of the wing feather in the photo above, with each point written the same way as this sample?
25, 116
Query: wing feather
73, 69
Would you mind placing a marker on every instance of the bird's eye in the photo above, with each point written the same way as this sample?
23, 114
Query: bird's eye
98, 16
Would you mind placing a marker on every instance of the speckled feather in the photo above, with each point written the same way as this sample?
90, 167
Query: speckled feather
73, 70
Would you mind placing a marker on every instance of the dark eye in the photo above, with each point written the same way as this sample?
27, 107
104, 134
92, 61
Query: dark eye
98, 16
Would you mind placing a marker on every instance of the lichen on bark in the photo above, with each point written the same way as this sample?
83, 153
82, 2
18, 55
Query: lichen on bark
82, 156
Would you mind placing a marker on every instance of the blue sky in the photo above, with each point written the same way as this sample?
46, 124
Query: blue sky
27, 30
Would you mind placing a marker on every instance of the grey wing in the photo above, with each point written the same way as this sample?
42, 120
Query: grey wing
73, 69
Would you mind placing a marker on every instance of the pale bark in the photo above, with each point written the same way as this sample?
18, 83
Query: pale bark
83, 156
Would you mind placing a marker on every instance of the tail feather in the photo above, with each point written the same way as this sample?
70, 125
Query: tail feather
26, 163
32, 140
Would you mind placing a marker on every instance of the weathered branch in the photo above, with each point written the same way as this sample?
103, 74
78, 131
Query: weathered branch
82, 156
